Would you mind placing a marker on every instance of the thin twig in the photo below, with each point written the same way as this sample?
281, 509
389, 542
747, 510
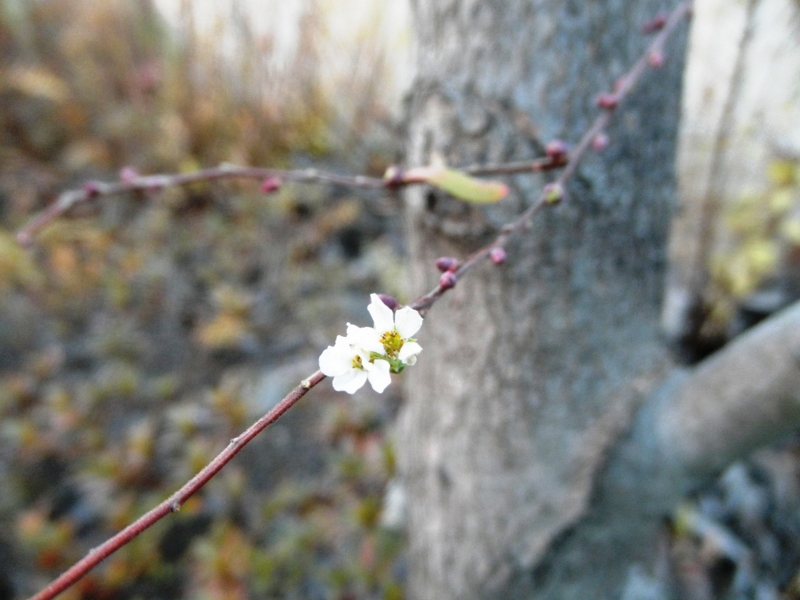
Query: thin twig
626, 84
95, 190
150, 183
174, 502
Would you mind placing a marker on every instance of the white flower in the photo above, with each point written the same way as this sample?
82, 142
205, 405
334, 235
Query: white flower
372, 353
395, 330
351, 366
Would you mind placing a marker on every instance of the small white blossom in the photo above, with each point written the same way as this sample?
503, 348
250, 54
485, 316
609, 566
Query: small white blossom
351, 367
372, 353
395, 330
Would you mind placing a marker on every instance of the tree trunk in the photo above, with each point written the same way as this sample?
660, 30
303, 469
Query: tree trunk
532, 371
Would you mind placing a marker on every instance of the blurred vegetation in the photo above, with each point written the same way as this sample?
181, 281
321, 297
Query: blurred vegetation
758, 270
139, 337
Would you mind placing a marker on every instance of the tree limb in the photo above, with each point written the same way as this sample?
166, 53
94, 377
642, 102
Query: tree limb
743, 397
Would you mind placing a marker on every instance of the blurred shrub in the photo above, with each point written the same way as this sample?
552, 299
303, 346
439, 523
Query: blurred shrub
760, 269
131, 336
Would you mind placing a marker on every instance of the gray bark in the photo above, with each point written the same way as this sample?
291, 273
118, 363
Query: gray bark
546, 434
532, 371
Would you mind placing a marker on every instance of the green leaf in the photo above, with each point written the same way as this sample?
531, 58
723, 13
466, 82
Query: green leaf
458, 184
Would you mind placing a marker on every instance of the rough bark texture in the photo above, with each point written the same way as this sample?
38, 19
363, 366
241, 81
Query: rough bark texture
531, 371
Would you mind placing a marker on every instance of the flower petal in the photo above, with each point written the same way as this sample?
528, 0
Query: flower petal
337, 359
378, 375
408, 321
408, 353
382, 315
365, 338
351, 381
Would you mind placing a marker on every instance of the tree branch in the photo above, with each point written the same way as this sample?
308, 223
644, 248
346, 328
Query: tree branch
174, 502
743, 397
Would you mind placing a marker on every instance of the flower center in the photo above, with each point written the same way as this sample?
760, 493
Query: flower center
357, 364
392, 342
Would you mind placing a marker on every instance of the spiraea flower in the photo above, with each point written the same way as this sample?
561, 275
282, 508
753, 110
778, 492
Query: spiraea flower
372, 353
352, 366
395, 330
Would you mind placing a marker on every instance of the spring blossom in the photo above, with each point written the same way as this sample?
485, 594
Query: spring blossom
372, 353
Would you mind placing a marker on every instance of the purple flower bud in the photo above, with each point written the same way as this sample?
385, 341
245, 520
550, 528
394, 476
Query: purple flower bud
556, 150
448, 280
394, 176
656, 60
24, 238
655, 24
498, 255
271, 184
600, 142
607, 101
446, 263
128, 174
389, 301
91, 189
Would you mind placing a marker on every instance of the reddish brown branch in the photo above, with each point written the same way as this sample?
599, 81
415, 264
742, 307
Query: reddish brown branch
624, 87
149, 183
174, 502
551, 195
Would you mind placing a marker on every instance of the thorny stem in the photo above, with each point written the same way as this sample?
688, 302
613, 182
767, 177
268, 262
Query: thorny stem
423, 303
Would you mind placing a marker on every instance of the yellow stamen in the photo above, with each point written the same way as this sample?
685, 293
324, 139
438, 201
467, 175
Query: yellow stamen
392, 342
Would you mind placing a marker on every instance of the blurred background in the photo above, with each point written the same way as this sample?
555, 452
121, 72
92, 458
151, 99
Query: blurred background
140, 335
138, 338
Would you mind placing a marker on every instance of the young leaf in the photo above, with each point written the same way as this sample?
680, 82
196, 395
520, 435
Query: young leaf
456, 183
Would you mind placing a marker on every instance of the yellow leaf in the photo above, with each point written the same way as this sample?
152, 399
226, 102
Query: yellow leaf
781, 172
781, 200
38, 82
224, 331
761, 256
790, 229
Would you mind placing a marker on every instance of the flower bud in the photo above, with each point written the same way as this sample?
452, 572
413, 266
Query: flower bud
655, 24
446, 263
448, 280
600, 142
498, 255
91, 189
607, 101
128, 174
271, 184
24, 238
389, 301
556, 150
655, 60
394, 176
553, 193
